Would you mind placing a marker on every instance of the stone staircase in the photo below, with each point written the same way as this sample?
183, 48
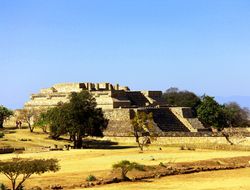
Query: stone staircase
197, 125
166, 120
186, 116
137, 99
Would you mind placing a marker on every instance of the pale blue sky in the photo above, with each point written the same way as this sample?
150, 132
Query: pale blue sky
202, 45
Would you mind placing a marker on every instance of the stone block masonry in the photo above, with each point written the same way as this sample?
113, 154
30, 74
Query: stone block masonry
119, 105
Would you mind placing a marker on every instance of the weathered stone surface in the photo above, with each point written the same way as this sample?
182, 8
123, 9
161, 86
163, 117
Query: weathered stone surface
120, 105
107, 96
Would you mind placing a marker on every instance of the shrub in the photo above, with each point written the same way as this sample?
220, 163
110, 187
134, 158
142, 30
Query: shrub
125, 166
25, 139
1, 135
191, 148
2, 187
91, 178
182, 148
187, 148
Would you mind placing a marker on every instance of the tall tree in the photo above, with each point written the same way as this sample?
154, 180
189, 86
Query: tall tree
79, 118
4, 114
211, 113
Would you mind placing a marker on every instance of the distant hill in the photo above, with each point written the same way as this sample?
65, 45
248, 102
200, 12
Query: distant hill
243, 101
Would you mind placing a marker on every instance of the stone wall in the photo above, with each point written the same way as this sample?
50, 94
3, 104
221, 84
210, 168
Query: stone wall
67, 87
119, 122
179, 140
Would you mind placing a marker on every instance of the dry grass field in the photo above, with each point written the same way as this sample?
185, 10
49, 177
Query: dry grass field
215, 180
76, 165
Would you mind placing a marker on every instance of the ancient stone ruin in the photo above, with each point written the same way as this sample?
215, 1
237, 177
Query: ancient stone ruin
119, 105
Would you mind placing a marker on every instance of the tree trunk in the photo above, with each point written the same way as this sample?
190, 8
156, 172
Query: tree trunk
74, 140
13, 182
124, 176
1, 123
140, 146
227, 136
79, 142
31, 128
137, 139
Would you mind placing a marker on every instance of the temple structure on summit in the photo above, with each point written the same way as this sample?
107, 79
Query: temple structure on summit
119, 105
107, 96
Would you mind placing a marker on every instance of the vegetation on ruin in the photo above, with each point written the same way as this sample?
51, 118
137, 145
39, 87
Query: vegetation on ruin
19, 170
125, 166
78, 118
143, 128
4, 114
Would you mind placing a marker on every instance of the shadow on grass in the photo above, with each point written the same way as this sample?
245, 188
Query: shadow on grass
108, 147
9, 128
7, 131
103, 144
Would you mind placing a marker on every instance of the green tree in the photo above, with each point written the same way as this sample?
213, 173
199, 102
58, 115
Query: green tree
19, 170
42, 122
125, 166
79, 118
175, 97
4, 114
143, 128
211, 113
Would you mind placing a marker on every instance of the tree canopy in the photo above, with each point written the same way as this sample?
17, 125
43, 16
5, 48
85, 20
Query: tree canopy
19, 170
79, 118
236, 116
220, 116
29, 116
4, 114
175, 97
211, 113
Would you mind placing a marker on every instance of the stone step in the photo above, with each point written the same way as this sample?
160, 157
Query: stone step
167, 121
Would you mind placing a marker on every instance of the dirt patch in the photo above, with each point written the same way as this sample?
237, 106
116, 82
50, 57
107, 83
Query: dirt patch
176, 169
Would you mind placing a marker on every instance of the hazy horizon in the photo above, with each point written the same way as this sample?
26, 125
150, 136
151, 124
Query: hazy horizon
200, 46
